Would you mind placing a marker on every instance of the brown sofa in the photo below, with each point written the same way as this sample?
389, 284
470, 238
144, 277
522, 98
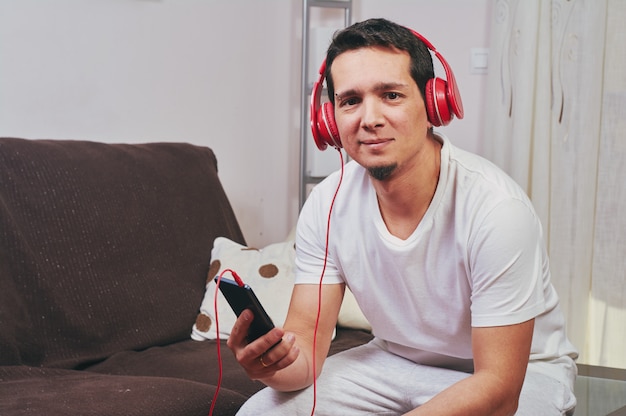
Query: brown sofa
104, 254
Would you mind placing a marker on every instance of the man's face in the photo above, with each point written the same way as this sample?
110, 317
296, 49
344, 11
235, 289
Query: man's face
379, 110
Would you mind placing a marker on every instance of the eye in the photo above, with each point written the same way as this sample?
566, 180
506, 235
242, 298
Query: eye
349, 101
392, 95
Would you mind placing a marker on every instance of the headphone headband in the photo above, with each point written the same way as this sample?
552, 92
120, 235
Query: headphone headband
443, 103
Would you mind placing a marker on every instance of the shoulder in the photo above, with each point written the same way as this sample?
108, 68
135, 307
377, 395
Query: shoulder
483, 202
477, 182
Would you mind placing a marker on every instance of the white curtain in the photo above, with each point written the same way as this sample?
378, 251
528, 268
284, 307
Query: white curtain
555, 118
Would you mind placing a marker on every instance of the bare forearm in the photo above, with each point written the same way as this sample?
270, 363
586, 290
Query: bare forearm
303, 325
479, 394
296, 376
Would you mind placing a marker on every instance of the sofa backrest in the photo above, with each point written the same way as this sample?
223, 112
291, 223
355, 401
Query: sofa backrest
103, 247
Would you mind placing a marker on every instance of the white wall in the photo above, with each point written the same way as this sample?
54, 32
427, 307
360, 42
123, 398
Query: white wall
454, 27
220, 73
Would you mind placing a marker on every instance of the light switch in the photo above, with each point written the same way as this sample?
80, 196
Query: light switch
479, 60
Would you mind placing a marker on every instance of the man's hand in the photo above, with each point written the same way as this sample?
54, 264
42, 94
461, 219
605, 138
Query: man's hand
288, 365
263, 357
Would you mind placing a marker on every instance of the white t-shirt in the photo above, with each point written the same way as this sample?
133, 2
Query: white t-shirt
477, 259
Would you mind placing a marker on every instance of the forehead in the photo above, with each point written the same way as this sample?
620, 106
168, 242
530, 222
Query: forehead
371, 64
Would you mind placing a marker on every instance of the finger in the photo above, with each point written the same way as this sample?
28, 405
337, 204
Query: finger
271, 340
268, 363
281, 361
279, 352
263, 363
263, 345
239, 332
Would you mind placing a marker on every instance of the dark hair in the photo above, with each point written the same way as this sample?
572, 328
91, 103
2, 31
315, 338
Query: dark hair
381, 32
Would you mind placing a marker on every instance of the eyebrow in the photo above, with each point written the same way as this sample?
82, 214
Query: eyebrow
381, 86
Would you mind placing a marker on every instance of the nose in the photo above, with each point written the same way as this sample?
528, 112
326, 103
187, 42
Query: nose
371, 116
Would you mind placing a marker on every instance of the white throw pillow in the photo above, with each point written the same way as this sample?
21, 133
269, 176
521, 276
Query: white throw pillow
269, 271
350, 315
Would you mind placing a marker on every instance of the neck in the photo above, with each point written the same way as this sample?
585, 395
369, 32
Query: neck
404, 199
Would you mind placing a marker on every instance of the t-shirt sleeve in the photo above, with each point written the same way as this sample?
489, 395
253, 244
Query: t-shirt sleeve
311, 243
507, 263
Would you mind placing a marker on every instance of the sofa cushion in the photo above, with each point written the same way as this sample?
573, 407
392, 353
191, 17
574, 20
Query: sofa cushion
103, 247
188, 360
59, 392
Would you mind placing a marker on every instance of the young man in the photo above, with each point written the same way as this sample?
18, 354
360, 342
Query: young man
443, 252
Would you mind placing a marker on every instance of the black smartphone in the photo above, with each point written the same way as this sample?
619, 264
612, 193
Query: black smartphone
242, 297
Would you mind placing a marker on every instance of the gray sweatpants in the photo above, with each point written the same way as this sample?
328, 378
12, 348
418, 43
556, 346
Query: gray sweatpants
367, 380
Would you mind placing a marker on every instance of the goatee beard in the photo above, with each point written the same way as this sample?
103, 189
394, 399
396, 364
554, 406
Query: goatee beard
381, 173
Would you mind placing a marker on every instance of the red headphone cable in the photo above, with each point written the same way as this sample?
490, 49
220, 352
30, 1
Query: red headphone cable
319, 304
319, 290
217, 332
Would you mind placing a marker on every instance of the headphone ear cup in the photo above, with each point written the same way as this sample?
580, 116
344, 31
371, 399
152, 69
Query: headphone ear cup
324, 127
437, 105
431, 108
443, 100
316, 121
328, 112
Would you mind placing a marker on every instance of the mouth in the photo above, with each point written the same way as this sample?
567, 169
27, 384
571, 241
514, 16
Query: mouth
375, 143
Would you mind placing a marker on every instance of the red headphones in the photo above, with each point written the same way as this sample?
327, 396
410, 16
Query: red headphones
443, 102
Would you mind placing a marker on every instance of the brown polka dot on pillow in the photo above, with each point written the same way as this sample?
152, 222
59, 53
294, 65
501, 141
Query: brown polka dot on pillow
268, 270
214, 268
203, 322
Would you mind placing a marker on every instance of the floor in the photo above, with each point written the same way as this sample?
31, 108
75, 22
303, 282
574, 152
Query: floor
600, 391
